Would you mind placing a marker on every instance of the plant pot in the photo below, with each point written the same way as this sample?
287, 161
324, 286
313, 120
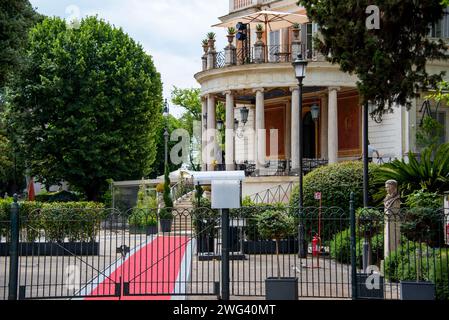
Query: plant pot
412, 290
363, 292
230, 39
281, 289
205, 243
269, 247
148, 230
296, 34
166, 225
53, 249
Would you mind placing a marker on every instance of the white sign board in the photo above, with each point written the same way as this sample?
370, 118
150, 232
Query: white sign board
226, 194
317, 195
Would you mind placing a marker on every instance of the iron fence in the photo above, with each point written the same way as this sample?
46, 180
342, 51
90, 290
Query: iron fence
158, 254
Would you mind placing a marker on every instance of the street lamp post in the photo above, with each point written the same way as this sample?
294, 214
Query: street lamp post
166, 134
300, 66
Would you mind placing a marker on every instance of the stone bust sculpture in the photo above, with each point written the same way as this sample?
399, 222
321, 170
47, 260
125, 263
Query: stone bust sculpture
393, 199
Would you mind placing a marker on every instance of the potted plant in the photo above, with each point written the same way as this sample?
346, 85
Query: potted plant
166, 213
205, 45
259, 32
231, 35
143, 221
369, 224
277, 224
422, 224
211, 40
296, 29
204, 221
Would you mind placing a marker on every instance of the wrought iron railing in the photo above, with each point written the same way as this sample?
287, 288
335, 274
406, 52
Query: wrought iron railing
278, 194
279, 167
269, 54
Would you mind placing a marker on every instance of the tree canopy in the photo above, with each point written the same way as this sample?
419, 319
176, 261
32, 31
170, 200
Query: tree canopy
87, 105
390, 61
16, 18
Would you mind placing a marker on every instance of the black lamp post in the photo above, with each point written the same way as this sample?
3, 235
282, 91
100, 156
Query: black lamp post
166, 134
300, 66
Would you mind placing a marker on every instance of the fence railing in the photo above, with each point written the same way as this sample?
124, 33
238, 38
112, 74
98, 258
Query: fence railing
334, 252
266, 54
278, 194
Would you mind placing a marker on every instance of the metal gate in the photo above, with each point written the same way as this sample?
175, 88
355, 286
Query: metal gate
106, 254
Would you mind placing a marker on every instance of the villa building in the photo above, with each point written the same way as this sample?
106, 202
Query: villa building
255, 81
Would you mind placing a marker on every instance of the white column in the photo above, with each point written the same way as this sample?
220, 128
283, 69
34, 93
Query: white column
324, 127
288, 126
203, 133
211, 131
261, 153
333, 125
229, 136
295, 128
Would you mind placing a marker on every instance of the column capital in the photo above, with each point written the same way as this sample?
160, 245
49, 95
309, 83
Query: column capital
261, 90
228, 92
293, 89
334, 89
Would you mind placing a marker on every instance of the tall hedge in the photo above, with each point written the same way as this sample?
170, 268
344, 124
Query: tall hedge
68, 221
335, 182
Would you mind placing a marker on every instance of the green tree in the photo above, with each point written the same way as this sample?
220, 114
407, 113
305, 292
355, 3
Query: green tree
87, 106
429, 133
190, 101
16, 18
389, 62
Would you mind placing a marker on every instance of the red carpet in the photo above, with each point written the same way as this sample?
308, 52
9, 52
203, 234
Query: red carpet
152, 271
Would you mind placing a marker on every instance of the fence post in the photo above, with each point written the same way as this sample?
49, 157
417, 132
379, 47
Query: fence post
353, 248
225, 255
14, 251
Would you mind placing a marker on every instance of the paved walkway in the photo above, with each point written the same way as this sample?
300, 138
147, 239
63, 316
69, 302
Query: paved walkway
153, 269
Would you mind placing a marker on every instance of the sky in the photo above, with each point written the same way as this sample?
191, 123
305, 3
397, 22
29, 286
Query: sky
170, 31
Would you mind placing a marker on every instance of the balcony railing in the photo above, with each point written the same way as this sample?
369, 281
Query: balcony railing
266, 54
275, 168
236, 5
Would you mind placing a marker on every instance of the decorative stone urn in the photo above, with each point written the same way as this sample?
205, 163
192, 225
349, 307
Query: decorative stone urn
296, 42
230, 51
259, 47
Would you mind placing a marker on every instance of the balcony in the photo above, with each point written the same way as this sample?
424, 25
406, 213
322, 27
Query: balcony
236, 5
258, 55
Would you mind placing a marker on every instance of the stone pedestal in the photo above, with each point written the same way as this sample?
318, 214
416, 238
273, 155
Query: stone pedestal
392, 232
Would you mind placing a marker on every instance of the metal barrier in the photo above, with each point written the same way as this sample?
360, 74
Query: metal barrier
106, 254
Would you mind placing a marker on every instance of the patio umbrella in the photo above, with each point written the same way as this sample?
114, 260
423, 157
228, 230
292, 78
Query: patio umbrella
273, 20
30, 190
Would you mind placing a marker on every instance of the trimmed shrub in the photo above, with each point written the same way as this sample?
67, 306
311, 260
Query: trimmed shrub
402, 264
335, 182
340, 248
71, 221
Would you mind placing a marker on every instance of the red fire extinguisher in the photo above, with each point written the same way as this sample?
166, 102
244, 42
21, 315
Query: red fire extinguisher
315, 246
